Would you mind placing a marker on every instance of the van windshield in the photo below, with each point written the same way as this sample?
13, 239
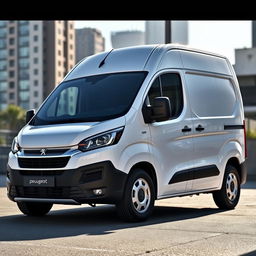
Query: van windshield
90, 99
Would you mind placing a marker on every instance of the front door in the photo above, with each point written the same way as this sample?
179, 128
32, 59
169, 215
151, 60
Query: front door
171, 145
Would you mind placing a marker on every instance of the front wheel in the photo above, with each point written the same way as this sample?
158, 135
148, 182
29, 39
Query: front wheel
228, 197
34, 208
139, 197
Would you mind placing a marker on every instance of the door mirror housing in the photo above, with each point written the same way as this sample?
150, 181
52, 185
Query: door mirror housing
30, 113
160, 110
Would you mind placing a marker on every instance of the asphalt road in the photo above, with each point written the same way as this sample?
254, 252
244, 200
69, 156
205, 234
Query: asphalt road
179, 226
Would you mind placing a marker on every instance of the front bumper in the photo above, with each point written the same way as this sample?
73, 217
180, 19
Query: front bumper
73, 186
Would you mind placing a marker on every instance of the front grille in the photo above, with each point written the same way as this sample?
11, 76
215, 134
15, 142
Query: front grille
48, 192
43, 162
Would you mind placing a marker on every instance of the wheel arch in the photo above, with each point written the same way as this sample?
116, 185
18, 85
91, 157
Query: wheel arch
150, 170
234, 161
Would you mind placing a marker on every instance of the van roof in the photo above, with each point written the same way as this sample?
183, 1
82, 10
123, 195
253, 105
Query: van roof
127, 59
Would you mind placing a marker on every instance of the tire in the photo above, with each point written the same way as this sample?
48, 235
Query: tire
138, 199
227, 198
34, 209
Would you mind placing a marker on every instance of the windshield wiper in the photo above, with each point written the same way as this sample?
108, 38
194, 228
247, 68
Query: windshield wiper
69, 120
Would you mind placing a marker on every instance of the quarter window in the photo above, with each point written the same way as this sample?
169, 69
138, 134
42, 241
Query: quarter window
168, 85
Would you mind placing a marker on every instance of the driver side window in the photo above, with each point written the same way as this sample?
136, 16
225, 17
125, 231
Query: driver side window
168, 85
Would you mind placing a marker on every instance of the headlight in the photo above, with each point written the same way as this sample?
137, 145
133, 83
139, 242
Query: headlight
15, 146
101, 140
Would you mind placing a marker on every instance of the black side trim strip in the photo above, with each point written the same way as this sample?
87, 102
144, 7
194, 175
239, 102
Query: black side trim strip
206, 171
195, 173
233, 127
182, 176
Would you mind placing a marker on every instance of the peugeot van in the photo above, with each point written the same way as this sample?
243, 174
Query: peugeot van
131, 126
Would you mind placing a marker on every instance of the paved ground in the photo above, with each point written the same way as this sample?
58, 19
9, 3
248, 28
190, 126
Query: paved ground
179, 226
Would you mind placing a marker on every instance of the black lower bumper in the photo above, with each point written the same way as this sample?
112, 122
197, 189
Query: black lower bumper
77, 184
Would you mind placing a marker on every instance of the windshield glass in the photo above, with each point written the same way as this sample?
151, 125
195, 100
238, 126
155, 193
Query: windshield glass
92, 98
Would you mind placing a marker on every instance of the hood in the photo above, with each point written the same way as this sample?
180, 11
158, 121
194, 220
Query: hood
63, 135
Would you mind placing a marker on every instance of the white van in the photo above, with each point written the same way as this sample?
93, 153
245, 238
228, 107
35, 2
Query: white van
130, 126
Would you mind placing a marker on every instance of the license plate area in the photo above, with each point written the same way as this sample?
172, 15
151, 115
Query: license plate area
39, 181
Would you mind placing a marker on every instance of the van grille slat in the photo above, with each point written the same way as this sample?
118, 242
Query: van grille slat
55, 162
48, 151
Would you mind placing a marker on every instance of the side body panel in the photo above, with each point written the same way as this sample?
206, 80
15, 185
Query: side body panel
215, 105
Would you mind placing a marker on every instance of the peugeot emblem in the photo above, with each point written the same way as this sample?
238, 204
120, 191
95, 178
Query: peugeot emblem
42, 151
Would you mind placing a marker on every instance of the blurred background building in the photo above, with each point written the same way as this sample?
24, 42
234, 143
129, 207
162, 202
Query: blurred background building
34, 58
121, 39
155, 32
89, 41
245, 68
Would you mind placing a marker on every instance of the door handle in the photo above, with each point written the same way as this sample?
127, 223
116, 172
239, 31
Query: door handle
199, 128
186, 129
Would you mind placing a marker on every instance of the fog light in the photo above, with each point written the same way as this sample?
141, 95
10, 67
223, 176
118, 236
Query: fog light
98, 192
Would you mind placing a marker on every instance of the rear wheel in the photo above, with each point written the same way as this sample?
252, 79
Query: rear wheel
228, 196
34, 208
139, 197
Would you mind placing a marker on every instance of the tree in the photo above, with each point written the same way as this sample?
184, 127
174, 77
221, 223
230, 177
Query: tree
12, 118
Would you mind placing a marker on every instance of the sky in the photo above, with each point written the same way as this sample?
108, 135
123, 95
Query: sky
222, 37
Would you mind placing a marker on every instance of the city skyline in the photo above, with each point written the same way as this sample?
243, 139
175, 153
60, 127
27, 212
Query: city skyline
222, 37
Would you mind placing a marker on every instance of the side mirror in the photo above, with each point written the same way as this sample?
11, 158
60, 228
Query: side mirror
160, 110
30, 113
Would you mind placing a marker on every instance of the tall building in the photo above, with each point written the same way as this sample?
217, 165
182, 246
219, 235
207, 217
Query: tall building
127, 38
89, 41
254, 33
245, 63
155, 32
34, 58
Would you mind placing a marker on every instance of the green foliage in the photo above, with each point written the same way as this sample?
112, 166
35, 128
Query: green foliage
250, 134
12, 118
2, 141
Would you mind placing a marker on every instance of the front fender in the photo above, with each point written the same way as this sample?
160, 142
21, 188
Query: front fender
134, 154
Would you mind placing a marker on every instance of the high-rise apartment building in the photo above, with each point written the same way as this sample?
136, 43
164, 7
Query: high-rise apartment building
34, 58
89, 41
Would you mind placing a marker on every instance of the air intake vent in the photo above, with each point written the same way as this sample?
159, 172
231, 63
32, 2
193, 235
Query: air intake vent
91, 176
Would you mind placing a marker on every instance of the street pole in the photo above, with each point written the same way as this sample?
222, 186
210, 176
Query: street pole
168, 32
